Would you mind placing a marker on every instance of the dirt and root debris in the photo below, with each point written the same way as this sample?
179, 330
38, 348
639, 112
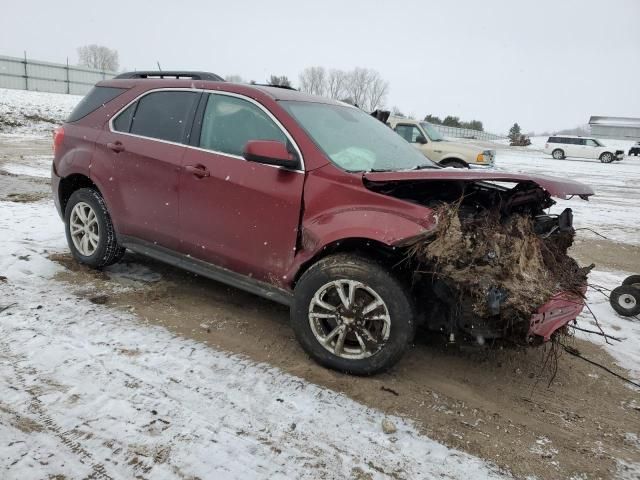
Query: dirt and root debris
499, 267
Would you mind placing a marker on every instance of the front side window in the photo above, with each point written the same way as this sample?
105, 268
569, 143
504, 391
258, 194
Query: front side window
354, 140
163, 115
592, 143
230, 122
409, 132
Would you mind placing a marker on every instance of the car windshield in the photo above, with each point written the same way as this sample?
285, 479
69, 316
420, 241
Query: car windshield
434, 135
354, 140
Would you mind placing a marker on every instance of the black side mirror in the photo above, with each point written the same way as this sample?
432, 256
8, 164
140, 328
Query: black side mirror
421, 140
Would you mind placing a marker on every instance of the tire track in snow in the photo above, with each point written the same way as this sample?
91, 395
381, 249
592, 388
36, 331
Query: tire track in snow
44, 420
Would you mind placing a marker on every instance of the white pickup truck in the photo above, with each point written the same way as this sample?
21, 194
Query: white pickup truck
447, 153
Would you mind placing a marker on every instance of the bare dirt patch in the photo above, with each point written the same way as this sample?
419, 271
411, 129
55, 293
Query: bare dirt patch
494, 404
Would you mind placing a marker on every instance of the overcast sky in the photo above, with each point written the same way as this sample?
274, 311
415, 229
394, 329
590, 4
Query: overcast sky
547, 64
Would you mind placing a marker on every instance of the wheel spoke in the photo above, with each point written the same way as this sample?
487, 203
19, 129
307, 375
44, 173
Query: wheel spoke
332, 334
321, 315
339, 347
363, 345
84, 244
322, 304
346, 298
372, 306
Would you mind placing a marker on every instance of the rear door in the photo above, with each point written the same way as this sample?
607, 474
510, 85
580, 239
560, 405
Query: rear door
145, 146
236, 214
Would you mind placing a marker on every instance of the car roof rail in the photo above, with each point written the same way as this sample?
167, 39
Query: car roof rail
286, 87
173, 74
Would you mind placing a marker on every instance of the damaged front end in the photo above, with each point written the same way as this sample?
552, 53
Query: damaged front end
495, 265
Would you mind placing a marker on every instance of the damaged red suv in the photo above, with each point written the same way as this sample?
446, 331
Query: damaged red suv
315, 204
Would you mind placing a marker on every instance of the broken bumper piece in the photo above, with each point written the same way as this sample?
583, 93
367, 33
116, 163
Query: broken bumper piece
555, 314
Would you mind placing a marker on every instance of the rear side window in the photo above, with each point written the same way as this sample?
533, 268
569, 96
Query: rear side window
97, 97
163, 115
122, 123
230, 122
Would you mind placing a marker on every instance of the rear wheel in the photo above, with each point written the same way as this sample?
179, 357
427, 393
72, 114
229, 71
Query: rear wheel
606, 157
352, 315
633, 280
90, 233
626, 300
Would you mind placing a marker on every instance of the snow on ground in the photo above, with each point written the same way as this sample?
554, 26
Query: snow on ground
32, 113
627, 329
88, 390
615, 208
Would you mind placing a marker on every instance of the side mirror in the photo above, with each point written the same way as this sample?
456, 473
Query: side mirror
421, 140
270, 152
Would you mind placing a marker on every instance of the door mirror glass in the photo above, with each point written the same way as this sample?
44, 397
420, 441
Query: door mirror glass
270, 152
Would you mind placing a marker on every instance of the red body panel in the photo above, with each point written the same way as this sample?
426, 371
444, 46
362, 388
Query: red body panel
555, 314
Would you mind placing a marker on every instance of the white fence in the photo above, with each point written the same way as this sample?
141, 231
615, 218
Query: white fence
28, 74
456, 132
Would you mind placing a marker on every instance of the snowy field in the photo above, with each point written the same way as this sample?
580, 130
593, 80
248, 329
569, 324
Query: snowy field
614, 210
92, 392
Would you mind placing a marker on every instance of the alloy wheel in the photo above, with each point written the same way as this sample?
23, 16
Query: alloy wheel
84, 229
349, 319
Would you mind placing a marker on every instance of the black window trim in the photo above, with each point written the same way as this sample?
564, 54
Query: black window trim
195, 122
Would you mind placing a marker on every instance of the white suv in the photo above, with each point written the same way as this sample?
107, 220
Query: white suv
560, 147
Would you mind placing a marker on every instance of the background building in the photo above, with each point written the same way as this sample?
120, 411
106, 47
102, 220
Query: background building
621, 128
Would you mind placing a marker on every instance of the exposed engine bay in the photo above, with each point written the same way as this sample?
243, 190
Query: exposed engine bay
493, 257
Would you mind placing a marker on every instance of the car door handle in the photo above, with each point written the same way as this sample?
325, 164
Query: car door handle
116, 146
198, 170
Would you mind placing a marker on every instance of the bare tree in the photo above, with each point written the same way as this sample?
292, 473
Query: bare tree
336, 83
280, 81
313, 80
98, 57
376, 92
357, 85
234, 79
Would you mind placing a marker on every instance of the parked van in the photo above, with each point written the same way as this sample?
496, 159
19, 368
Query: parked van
560, 147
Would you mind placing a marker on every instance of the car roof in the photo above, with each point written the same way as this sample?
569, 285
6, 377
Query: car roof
275, 93
569, 136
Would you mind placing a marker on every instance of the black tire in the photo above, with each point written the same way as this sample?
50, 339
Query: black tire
606, 157
625, 300
633, 280
558, 154
397, 304
454, 164
107, 251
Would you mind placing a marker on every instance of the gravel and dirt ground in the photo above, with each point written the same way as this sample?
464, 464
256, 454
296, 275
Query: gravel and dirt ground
506, 407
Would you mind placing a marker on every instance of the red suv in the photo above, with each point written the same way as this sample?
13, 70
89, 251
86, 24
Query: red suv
304, 200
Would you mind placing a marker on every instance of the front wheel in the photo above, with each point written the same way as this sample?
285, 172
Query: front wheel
625, 300
606, 157
558, 154
454, 164
352, 315
90, 233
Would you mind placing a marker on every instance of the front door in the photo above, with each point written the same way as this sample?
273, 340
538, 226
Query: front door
237, 214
